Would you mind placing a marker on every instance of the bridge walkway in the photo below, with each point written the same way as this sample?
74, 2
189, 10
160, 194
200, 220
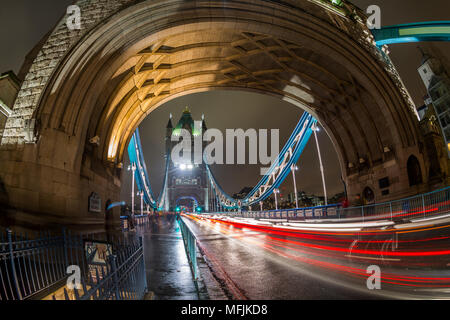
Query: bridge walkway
169, 275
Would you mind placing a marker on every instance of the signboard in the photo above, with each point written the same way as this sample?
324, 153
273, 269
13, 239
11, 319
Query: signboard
95, 203
97, 255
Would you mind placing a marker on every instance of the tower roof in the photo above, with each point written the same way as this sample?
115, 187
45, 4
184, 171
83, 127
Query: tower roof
169, 124
204, 128
425, 55
185, 122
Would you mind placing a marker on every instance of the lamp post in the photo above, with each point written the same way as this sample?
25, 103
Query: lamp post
295, 168
132, 168
275, 192
261, 205
141, 194
316, 129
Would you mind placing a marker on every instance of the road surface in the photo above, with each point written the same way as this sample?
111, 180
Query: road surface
266, 265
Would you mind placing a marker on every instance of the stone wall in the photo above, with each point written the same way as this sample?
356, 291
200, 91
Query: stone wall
53, 51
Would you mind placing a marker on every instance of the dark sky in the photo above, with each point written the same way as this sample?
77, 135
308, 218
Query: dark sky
24, 22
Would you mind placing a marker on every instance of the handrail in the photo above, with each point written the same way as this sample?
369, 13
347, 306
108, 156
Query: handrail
34, 266
190, 245
432, 203
278, 171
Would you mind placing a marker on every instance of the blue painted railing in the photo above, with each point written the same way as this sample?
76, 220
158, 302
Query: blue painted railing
32, 267
320, 212
425, 205
123, 277
190, 244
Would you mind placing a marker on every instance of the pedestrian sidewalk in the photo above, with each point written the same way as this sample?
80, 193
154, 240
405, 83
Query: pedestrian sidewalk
169, 275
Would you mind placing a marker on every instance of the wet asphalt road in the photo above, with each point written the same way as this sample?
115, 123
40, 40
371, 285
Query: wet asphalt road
260, 274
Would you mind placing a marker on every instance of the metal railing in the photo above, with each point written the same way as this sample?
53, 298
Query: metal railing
190, 244
122, 278
426, 205
29, 266
289, 214
35, 267
139, 221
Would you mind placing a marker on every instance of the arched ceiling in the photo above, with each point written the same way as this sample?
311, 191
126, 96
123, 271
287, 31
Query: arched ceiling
201, 60
147, 54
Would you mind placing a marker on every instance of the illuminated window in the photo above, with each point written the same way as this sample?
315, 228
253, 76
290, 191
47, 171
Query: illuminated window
337, 2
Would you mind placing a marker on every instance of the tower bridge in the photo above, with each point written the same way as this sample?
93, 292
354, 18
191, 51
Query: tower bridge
89, 90
85, 93
185, 179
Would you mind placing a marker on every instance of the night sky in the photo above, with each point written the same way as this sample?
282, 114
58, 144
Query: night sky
24, 22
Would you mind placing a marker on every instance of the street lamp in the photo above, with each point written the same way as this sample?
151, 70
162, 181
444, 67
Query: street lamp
132, 168
141, 194
316, 129
275, 192
261, 205
295, 168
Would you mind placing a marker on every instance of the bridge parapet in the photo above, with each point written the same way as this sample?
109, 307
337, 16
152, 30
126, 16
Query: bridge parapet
417, 208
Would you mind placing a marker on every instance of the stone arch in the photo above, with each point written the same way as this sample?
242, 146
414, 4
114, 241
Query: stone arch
132, 56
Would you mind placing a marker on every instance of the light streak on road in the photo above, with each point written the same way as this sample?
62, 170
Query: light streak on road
420, 259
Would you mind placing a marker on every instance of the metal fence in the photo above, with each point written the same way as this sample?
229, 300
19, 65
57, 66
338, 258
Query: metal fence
123, 277
33, 267
190, 244
139, 221
421, 206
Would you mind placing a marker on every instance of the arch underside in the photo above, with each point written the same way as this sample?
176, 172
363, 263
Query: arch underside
115, 78
217, 59
225, 59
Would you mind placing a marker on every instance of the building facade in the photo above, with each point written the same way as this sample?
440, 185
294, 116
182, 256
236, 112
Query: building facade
437, 81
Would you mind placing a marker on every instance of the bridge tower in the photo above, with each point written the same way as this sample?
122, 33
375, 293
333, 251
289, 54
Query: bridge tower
186, 180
